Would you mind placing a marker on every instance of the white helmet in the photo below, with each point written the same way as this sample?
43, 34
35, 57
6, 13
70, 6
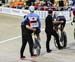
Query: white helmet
31, 8
60, 14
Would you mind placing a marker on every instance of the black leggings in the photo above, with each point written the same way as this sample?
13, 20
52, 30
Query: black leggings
26, 38
49, 38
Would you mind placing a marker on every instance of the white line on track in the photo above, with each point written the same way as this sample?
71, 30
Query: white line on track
13, 38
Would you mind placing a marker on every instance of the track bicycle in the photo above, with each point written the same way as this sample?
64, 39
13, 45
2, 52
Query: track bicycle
62, 36
37, 46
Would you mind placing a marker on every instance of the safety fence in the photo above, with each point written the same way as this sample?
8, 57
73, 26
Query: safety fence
20, 12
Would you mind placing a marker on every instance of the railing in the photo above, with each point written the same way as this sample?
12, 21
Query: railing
19, 12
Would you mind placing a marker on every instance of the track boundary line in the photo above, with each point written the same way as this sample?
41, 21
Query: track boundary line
13, 38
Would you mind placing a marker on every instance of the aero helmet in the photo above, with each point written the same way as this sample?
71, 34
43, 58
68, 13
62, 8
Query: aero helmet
31, 8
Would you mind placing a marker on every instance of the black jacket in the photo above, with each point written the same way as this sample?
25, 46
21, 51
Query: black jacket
48, 24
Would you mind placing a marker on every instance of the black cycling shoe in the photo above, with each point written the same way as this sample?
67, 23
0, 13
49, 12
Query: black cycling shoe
60, 47
22, 57
48, 51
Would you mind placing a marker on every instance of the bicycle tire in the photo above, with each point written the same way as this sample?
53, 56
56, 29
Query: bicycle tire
37, 46
64, 42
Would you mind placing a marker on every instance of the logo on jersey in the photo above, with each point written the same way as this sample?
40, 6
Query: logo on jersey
33, 21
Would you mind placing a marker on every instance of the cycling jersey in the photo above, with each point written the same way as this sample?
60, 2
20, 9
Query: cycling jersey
61, 18
33, 20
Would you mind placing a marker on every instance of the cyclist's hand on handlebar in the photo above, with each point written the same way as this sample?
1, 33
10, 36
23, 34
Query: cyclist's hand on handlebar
61, 22
34, 29
30, 28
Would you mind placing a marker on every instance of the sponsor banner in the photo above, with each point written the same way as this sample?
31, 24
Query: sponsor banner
15, 11
0, 9
6, 10
24, 12
42, 14
68, 15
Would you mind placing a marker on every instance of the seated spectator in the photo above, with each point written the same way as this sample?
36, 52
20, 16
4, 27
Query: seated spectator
3, 1
43, 5
45, 8
70, 2
73, 2
20, 4
13, 4
48, 3
36, 4
17, 4
52, 1
60, 4
30, 2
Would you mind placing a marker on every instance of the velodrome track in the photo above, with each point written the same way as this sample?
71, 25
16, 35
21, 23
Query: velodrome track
10, 43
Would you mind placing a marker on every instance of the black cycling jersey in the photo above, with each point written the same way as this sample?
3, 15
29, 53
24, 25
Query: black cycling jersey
61, 18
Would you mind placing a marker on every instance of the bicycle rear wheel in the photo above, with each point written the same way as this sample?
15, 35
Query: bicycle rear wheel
37, 46
62, 40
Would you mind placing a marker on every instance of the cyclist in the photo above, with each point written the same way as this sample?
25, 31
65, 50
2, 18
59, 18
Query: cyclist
61, 17
29, 24
49, 23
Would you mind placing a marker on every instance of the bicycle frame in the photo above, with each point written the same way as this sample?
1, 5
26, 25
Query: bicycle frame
37, 46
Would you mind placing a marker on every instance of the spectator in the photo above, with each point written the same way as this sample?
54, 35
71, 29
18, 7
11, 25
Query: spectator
36, 4
20, 4
17, 4
3, 1
12, 4
60, 4
30, 2
47, 3
52, 1
70, 2
73, 2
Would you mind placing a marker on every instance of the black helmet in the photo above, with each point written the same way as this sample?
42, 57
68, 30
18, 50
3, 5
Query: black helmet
50, 11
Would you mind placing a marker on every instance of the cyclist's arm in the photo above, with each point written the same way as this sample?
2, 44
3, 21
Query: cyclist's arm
24, 20
57, 22
39, 22
30, 28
